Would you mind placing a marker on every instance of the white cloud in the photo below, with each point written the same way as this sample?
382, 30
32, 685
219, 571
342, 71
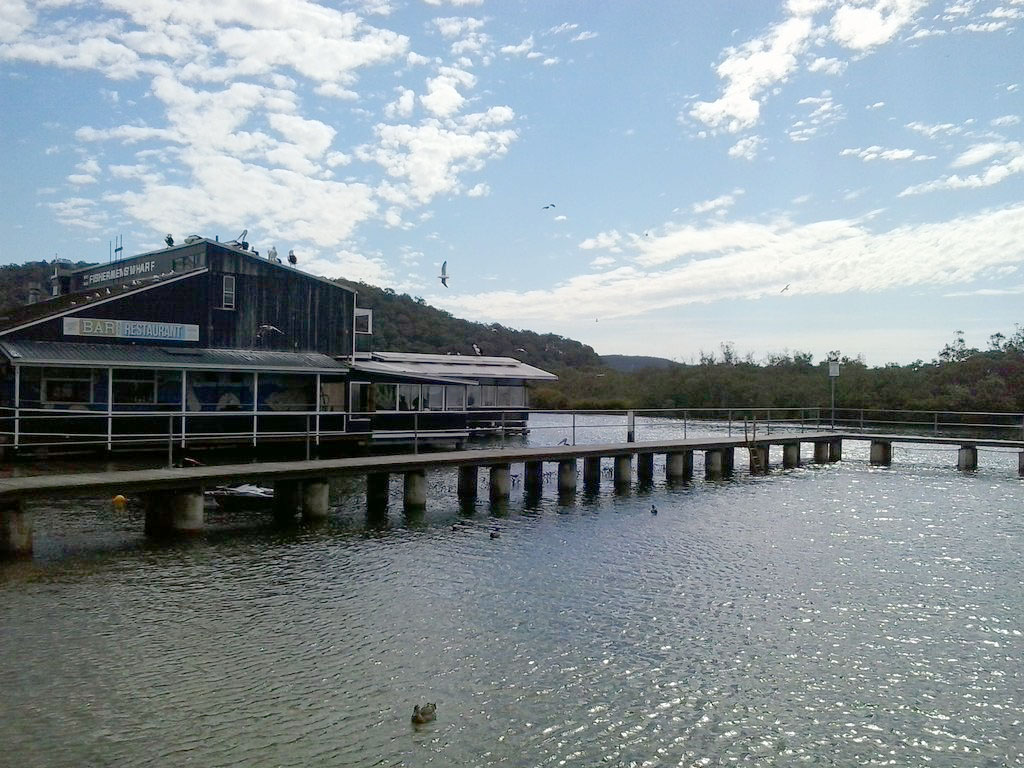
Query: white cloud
519, 50
1012, 154
745, 260
563, 27
582, 36
862, 27
827, 65
478, 190
935, 130
610, 241
720, 204
746, 148
824, 112
876, 105
454, 2
551, 61
875, 152
403, 106
350, 266
1005, 121
749, 71
453, 27
442, 97
312, 137
602, 261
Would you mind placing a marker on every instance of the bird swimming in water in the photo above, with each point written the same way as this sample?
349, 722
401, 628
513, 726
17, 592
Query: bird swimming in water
425, 714
654, 510
495, 534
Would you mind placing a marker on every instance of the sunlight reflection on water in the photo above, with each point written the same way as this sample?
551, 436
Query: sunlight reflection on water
837, 614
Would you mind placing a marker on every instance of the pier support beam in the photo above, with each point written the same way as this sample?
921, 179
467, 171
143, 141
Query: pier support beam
316, 499
758, 459
881, 452
16, 530
679, 465
728, 460
414, 494
377, 487
623, 473
501, 482
821, 452
790, 455
567, 476
468, 478
644, 467
592, 471
533, 480
714, 464
174, 512
1020, 464
835, 450
967, 458
287, 498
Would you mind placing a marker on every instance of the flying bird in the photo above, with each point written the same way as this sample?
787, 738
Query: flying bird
476, 349
785, 289
267, 329
545, 207
443, 277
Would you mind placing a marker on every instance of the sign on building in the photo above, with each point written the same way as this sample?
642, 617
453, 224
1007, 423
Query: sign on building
130, 329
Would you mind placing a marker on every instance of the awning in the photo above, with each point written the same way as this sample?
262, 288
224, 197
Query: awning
394, 372
468, 369
60, 353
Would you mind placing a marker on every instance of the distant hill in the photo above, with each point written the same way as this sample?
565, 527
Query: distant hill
404, 323
631, 363
401, 323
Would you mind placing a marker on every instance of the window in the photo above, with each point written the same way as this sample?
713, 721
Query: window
455, 397
359, 398
408, 397
228, 297
364, 320
131, 387
384, 397
433, 397
473, 395
67, 385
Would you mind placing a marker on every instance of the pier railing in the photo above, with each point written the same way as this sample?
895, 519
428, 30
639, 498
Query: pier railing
71, 429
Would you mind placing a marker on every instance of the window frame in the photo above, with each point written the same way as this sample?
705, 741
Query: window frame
228, 294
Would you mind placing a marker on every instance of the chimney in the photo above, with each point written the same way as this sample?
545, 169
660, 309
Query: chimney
34, 292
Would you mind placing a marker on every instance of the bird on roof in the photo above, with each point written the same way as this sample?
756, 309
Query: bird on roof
545, 207
443, 277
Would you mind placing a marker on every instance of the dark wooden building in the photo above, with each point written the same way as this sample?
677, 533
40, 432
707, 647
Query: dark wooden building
211, 343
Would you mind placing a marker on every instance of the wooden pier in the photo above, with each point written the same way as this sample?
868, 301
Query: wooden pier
173, 497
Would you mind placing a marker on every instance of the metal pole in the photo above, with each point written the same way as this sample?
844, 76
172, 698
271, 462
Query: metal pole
574, 428
936, 427
684, 424
730, 422
502, 429
307, 437
170, 441
832, 380
17, 404
415, 432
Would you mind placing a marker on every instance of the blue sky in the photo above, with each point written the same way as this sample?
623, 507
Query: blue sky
700, 156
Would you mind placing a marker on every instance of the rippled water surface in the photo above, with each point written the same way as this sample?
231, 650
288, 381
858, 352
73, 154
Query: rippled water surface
828, 615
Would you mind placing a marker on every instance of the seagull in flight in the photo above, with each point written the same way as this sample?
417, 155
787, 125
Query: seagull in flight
443, 277
785, 289
545, 207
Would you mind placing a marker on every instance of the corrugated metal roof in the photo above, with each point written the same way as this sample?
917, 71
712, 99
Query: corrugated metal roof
395, 371
139, 356
461, 366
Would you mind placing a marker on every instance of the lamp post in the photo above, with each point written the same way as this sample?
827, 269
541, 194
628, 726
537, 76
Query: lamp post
833, 374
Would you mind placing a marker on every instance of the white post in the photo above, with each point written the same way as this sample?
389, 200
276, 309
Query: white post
110, 408
256, 402
17, 404
184, 403
318, 397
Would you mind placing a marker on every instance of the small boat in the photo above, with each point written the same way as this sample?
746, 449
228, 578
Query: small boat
244, 496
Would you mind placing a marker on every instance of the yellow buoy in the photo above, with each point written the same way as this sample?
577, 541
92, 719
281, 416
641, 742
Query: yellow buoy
119, 502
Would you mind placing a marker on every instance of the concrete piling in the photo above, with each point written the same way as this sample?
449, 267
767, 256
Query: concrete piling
645, 467
790, 455
679, 465
501, 482
533, 476
835, 450
316, 499
881, 452
623, 471
174, 512
567, 476
592, 471
821, 452
967, 458
468, 478
414, 492
16, 530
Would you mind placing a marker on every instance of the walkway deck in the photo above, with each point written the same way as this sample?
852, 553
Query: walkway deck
133, 481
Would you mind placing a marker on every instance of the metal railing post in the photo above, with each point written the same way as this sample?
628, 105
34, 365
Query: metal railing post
170, 441
502, 429
574, 427
730, 422
415, 432
684, 423
936, 428
307, 437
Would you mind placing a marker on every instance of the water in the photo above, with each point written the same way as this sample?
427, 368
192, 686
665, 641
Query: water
830, 615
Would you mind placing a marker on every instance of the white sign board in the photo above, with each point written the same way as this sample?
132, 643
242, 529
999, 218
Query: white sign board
129, 329
833, 368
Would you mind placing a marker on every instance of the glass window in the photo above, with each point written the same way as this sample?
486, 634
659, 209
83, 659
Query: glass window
67, 385
473, 395
384, 397
364, 320
505, 396
332, 394
455, 397
518, 397
488, 396
208, 391
286, 392
408, 397
133, 386
433, 396
228, 300
359, 398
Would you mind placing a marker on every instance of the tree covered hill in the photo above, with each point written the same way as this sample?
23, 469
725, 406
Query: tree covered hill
403, 323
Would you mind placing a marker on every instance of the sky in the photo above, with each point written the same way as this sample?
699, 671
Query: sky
655, 178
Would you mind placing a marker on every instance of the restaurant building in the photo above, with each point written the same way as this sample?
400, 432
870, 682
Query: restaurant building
210, 343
